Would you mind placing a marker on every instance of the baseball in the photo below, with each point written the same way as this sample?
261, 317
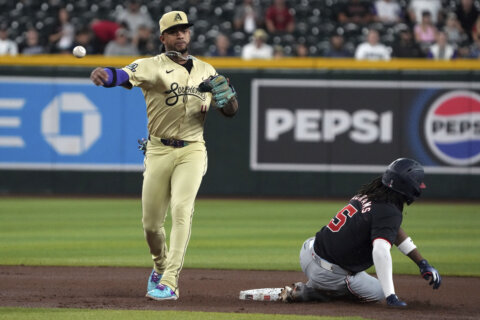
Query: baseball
79, 51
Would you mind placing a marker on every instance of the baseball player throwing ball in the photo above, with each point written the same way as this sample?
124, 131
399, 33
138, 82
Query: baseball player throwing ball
178, 91
360, 235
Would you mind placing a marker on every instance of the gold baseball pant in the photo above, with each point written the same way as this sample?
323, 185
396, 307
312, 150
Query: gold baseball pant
172, 177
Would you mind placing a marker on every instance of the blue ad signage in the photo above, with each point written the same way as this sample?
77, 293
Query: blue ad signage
68, 123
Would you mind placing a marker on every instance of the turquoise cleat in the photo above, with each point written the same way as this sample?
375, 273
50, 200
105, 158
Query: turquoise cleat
162, 292
153, 280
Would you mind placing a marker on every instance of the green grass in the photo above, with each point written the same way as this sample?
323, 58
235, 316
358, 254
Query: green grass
231, 234
85, 314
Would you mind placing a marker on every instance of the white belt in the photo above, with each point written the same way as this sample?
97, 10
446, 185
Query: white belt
324, 263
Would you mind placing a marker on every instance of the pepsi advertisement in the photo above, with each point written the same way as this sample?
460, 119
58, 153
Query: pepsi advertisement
69, 124
358, 126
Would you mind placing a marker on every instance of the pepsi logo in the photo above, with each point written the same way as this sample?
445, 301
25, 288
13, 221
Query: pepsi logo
452, 128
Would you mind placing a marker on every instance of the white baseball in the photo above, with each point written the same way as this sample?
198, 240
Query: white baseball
79, 51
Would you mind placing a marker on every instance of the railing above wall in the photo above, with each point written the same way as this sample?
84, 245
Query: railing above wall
238, 63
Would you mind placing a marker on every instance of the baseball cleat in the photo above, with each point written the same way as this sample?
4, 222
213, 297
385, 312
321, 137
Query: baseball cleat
153, 280
161, 292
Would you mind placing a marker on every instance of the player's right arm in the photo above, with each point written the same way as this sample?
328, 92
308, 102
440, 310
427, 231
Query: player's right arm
109, 77
99, 76
140, 73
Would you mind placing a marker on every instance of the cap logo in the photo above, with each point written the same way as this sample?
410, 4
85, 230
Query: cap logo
178, 17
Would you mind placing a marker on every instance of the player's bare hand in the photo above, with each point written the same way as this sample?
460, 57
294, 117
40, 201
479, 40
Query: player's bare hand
99, 76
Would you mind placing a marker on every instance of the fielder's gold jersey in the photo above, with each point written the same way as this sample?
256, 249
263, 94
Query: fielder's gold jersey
175, 107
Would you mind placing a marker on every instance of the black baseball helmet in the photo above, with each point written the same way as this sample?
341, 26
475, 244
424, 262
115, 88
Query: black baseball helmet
406, 177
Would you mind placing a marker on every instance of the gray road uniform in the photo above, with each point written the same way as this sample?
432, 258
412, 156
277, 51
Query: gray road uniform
335, 259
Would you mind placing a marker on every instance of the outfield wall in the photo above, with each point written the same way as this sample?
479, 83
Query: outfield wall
315, 128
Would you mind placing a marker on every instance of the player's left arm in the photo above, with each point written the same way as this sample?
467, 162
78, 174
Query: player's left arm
231, 108
224, 95
405, 244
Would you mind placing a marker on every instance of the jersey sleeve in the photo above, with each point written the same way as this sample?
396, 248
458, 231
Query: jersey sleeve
141, 73
211, 70
386, 220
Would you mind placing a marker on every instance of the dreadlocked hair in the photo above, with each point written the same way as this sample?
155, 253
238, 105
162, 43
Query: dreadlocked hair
378, 192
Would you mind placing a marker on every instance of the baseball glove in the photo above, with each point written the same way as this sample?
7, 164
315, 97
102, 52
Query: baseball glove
142, 145
219, 86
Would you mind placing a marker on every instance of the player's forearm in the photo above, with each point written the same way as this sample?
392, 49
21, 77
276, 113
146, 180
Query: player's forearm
116, 77
407, 247
109, 77
415, 256
230, 108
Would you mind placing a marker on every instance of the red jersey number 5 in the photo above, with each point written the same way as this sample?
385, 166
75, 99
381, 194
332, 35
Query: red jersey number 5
341, 218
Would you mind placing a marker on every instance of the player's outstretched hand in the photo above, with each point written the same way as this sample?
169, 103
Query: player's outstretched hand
430, 273
393, 301
99, 76
221, 90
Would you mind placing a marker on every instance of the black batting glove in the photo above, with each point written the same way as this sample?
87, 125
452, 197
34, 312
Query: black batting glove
427, 272
393, 301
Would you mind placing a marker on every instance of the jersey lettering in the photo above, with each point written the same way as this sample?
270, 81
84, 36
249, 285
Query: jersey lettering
340, 218
174, 103
365, 202
179, 91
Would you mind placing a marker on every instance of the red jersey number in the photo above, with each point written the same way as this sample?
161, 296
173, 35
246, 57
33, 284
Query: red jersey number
341, 218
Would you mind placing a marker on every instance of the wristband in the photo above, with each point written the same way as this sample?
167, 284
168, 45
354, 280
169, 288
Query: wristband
407, 246
112, 77
116, 77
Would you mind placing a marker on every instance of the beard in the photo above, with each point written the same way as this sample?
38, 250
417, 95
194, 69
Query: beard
181, 50
184, 50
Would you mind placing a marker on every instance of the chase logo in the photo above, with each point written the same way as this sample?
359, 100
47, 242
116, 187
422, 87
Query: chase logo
452, 128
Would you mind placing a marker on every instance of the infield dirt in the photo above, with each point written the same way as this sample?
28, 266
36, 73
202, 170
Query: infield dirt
218, 291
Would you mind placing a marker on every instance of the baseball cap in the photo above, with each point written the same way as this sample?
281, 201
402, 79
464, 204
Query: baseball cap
260, 33
173, 19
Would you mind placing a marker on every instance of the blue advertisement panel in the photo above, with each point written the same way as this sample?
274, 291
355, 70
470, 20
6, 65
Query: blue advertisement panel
68, 123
